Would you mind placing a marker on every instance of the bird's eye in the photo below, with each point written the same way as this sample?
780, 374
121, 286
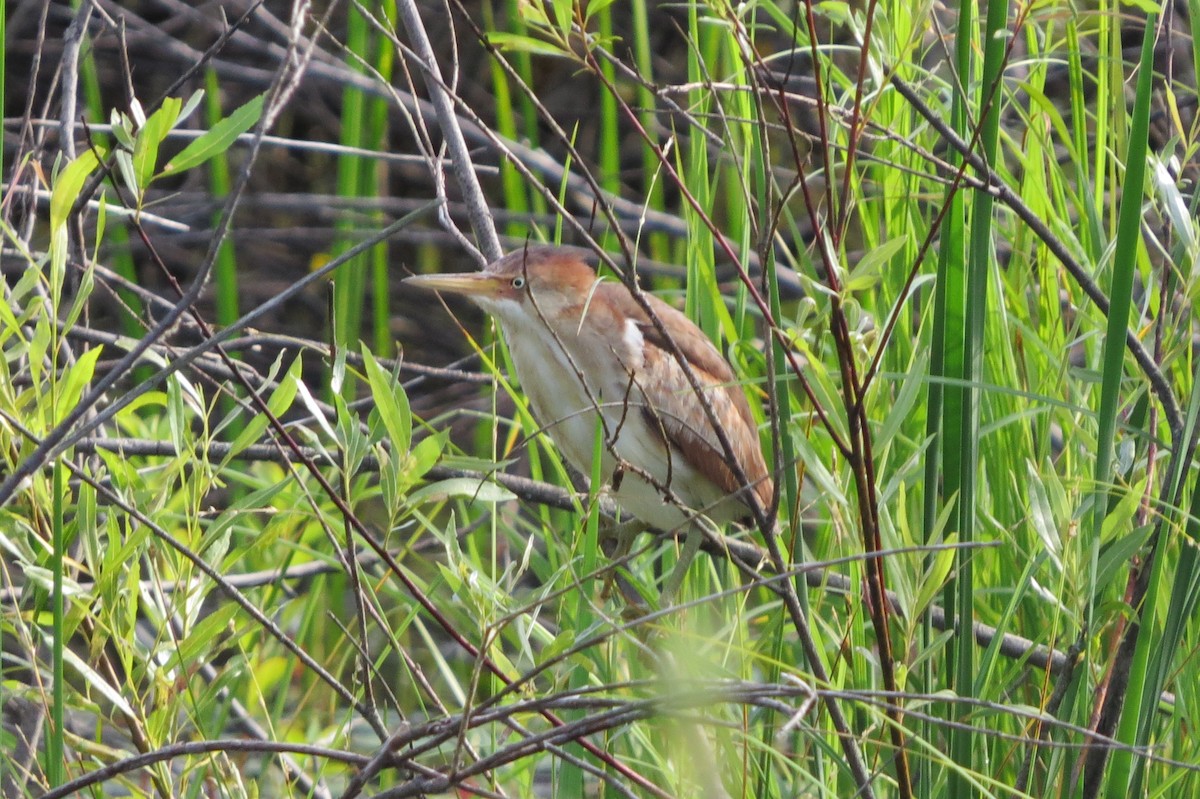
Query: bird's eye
518, 282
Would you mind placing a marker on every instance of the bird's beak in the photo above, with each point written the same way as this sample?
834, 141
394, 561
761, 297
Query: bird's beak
468, 284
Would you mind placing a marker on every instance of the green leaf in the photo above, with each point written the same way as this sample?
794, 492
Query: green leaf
270, 672
1043, 518
98, 683
866, 273
477, 490
560, 644
337, 377
454, 461
424, 455
206, 634
124, 159
176, 413
564, 15
87, 281
101, 228
517, 43
532, 13
43, 577
218, 139
280, 400
153, 399
121, 129
1115, 557
67, 186
190, 105
595, 7
149, 137
78, 376
941, 562
391, 403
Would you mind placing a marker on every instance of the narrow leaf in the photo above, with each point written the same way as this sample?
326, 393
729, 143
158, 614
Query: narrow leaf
78, 376
68, 185
149, 137
218, 139
391, 403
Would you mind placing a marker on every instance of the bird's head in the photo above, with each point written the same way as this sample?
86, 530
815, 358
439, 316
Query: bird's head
529, 283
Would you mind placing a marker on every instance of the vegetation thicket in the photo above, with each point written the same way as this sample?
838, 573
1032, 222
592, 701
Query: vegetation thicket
273, 525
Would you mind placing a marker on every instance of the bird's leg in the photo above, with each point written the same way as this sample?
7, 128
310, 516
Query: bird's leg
693, 537
616, 538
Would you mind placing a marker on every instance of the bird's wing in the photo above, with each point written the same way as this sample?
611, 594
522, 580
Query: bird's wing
683, 422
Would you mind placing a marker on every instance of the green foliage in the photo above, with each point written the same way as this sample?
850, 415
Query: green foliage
217, 139
141, 137
926, 274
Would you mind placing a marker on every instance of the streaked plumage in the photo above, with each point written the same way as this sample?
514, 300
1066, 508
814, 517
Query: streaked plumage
579, 343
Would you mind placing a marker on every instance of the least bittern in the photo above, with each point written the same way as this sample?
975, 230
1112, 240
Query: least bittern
592, 361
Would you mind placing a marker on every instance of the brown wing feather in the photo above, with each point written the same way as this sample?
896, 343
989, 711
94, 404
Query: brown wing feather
685, 424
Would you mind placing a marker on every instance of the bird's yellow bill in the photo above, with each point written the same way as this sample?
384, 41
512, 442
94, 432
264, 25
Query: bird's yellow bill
468, 284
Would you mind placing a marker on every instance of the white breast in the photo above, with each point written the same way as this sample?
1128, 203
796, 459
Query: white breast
550, 373
549, 378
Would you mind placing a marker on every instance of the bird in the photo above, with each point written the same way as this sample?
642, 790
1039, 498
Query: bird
591, 361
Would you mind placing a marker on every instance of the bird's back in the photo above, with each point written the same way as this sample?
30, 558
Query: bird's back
680, 418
